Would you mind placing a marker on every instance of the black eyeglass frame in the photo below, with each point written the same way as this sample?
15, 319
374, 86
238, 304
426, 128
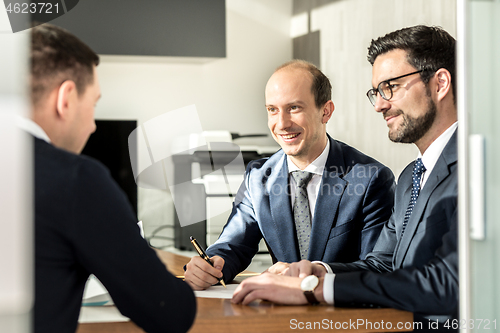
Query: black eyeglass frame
373, 92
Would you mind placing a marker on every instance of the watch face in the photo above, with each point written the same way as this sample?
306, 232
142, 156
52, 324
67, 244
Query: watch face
309, 283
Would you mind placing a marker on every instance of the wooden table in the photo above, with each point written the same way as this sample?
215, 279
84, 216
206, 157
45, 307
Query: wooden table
220, 315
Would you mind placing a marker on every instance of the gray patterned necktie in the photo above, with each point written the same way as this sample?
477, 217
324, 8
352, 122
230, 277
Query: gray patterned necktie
418, 169
301, 211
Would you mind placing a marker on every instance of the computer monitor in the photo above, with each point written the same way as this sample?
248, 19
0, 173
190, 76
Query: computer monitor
109, 144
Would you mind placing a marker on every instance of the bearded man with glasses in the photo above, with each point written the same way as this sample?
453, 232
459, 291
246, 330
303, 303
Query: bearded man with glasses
414, 264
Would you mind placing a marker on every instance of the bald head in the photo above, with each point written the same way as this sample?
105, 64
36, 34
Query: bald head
320, 85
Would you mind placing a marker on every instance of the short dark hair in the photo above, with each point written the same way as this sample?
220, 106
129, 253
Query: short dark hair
321, 87
428, 47
57, 56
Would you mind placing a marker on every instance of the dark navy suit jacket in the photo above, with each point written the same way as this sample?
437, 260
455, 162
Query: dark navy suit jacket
355, 199
84, 224
421, 267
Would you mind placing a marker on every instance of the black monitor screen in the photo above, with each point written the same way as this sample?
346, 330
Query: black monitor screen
109, 144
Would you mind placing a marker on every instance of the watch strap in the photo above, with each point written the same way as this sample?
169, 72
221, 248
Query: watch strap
310, 297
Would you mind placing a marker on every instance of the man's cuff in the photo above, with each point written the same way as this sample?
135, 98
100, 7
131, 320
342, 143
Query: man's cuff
328, 288
327, 267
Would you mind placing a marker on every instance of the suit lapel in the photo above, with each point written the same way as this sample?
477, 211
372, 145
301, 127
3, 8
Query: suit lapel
439, 173
328, 199
406, 202
278, 190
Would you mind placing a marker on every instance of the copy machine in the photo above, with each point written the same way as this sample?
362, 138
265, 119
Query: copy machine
210, 169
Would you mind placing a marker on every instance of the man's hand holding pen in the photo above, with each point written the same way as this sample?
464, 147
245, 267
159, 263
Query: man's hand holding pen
201, 275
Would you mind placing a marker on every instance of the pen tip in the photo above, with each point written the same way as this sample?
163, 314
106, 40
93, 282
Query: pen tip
191, 237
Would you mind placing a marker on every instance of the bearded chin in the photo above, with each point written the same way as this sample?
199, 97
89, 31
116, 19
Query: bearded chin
399, 136
403, 133
413, 129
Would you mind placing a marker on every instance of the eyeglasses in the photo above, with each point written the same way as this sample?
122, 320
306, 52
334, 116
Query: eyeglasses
385, 89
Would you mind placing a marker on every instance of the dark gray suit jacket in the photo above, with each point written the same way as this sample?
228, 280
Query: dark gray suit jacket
355, 199
421, 268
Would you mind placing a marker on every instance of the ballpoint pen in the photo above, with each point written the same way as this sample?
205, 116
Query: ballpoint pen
203, 255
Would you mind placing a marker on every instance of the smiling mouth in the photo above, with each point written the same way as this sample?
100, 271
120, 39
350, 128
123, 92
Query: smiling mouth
390, 117
289, 136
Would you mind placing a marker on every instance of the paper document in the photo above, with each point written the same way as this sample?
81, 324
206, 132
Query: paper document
217, 292
95, 294
100, 314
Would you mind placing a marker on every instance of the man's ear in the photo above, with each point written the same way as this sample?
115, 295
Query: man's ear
327, 110
443, 83
65, 98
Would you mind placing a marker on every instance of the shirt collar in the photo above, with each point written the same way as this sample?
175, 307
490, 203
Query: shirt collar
317, 166
431, 154
33, 128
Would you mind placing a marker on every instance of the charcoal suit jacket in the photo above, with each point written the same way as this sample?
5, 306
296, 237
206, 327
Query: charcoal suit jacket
419, 269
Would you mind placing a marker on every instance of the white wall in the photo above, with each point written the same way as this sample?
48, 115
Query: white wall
346, 29
228, 92
16, 196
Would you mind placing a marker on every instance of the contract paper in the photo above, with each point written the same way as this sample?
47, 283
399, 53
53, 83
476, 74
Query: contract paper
217, 292
100, 314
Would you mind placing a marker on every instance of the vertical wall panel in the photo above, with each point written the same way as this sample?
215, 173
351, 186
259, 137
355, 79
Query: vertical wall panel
483, 67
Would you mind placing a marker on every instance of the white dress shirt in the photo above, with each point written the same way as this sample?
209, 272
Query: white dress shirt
33, 128
429, 159
316, 168
431, 155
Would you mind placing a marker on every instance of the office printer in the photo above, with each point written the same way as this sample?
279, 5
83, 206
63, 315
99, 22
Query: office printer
209, 168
